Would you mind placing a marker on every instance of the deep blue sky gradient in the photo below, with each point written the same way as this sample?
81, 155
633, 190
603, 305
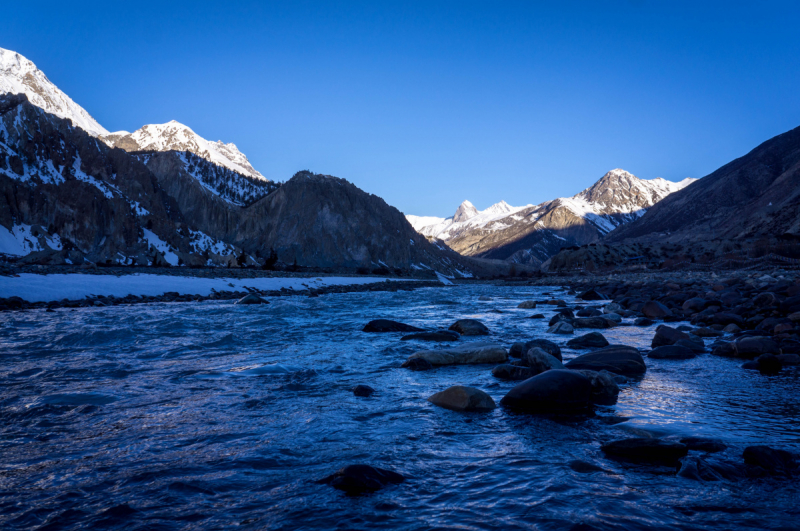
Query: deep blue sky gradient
429, 103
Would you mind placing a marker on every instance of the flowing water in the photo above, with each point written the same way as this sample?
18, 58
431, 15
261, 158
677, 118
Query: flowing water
215, 416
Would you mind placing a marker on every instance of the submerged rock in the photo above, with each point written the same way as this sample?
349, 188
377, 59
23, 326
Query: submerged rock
555, 391
469, 353
386, 325
671, 352
461, 398
704, 469
590, 340
251, 299
359, 479
512, 372
582, 467
773, 461
593, 322
619, 359
643, 321
418, 364
363, 390
527, 305
439, 335
704, 444
470, 327
644, 450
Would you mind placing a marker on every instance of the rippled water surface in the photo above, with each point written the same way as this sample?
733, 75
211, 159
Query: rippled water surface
215, 416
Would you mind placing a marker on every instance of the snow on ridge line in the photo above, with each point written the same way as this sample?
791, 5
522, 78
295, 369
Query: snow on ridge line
76, 286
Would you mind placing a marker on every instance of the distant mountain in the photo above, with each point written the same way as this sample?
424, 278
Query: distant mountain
174, 136
18, 75
757, 195
533, 233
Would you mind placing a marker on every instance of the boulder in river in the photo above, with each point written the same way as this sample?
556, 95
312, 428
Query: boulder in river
666, 335
773, 461
251, 298
359, 479
704, 444
605, 390
540, 361
438, 335
561, 327
643, 321
527, 305
470, 327
512, 372
593, 322
619, 359
468, 353
645, 450
655, 310
747, 347
363, 390
592, 295
418, 364
386, 325
556, 391
671, 352
590, 340
461, 398
518, 350
708, 469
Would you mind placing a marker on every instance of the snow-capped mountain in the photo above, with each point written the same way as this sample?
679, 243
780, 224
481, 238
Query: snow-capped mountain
533, 233
18, 75
466, 218
174, 136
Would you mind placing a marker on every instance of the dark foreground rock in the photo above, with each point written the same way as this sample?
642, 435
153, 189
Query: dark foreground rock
706, 469
590, 340
360, 479
555, 391
605, 390
644, 450
461, 398
704, 444
518, 350
439, 335
386, 325
666, 335
774, 462
619, 359
512, 372
540, 361
470, 327
671, 352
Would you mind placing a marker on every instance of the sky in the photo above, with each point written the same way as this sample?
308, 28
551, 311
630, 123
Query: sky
429, 103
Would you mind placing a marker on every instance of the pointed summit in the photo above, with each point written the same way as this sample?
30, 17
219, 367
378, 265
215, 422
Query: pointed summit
18, 75
465, 211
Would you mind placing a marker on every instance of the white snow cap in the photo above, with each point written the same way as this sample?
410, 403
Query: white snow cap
18, 75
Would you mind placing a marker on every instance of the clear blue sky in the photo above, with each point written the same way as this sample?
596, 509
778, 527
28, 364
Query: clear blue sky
429, 103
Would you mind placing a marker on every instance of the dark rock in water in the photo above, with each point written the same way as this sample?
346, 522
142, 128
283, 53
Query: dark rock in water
605, 390
696, 345
789, 359
747, 347
592, 295
465, 354
769, 364
750, 365
619, 359
461, 398
695, 304
512, 372
590, 340
360, 479
593, 322
558, 318
556, 391
775, 462
251, 299
536, 316
725, 318
643, 450
561, 327
643, 321
527, 305
666, 335
363, 390
518, 350
418, 364
539, 361
439, 335
671, 352
706, 332
582, 467
655, 310
704, 444
469, 327
385, 325
704, 469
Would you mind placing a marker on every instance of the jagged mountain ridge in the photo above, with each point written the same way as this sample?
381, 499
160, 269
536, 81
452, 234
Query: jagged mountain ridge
465, 219
18, 75
532, 234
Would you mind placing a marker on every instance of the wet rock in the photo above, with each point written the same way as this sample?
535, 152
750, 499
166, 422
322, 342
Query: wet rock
592, 295
763, 300
643, 321
769, 364
747, 347
363, 390
726, 318
519, 349
512, 372
359, 479
555, 391
671, 352
484, 298
469, 353
789, 359
439, 335
470, 327
527, 305
774, 462
619, 359
612, 308
695, 304
540, 361
732, 329
666, 335
705, 332
695, 344
590, 340
562, 327
582, 467
644, 450
794, 317
655, 310
536, 316
593, 322
605, 390
418, 364
617, 318
251, 299
704, 444
705, 469
385, 325
461, 398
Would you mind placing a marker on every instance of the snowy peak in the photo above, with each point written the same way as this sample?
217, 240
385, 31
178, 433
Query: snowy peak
465, 211
18, 75
619, 192
174, 136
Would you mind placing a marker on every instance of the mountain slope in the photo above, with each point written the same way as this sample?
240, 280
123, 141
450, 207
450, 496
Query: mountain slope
466, 218
18, 75
755, 195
